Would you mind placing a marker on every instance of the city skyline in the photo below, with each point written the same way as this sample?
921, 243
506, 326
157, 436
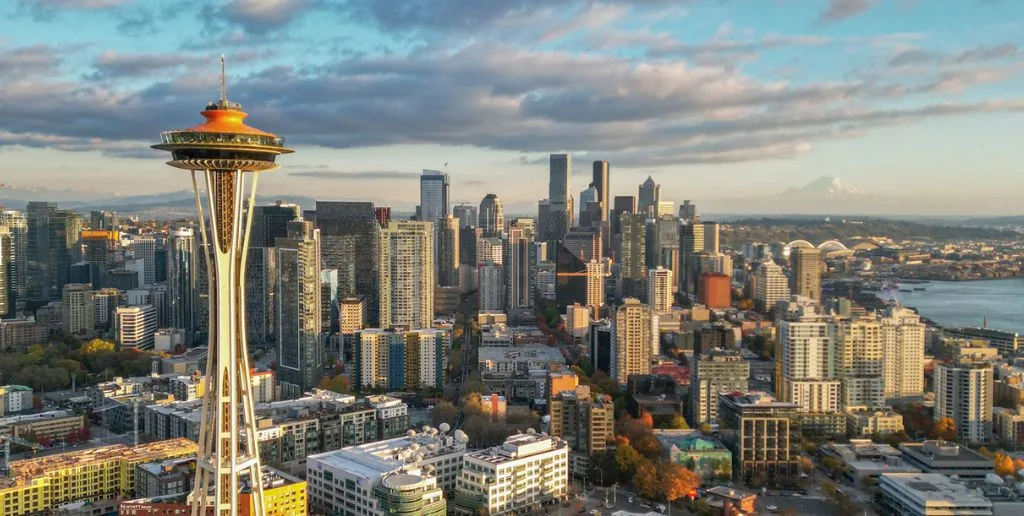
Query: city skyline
717, 101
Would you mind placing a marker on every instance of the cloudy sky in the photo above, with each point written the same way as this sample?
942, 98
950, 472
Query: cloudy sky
920, 100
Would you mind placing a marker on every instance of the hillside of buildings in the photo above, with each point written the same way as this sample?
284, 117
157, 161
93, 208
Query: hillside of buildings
768, 230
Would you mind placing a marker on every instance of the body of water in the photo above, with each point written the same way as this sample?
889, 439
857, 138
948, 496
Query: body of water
968, 303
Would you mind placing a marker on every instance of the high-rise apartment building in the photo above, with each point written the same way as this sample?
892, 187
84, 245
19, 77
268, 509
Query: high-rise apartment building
649, 197
78, 308
404, 360
583, 420
6, 259
135, 326
17, 226
771, 285
860, 368
467, 215
528, 470
808, 353
518, 245
407, 274
807, 272
144, 248
622, 204
448, 252
300, 348
433, 195
715, 372
659, 289
631, 340
490, 287
711, 237
762, 435
601, 177
903, 336
492, 216
350, 243
101, 255
691, 243
632, 255
595, 286
351, 315
963, 392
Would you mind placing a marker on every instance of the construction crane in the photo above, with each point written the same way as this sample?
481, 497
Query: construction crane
135, 416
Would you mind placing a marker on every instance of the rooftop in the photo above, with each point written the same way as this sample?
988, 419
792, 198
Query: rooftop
935, 487
518, 446
95, 456
942, 451
372, 460
500, 354
757, 399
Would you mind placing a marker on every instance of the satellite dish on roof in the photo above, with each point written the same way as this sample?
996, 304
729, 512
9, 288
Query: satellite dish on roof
530, 431
414, 446
426, 429
461, 436
444, 427
411, 433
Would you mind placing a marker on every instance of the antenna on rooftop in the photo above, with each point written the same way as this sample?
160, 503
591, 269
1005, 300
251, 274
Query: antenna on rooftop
223, 80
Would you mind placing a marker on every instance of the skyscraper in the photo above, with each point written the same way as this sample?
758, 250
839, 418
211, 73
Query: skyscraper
17, 226
711, 237
691, 242
448, 252
181, 279
492, 217
903, 336
583, 420
51, 241
659, 289
688, 212
100, 253
300, 349
715, 372
807, 272
225, 152
6, 259
595, 287
623, 204
144, 248
808, 353
770, 285
350, 243
271, 222
261, 278
649, 197
963, 393
631, 340
491, 287
602, 171
433, 195
590, 208
469, 237
467, 215
518, 245
407, 274
135, 326
632, 255
860, 367
78, 308
558, 181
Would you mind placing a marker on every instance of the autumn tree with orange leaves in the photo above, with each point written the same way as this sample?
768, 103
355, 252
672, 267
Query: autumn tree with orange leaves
664, 480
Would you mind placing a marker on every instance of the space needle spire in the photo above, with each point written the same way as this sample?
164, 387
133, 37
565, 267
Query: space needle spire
225, 156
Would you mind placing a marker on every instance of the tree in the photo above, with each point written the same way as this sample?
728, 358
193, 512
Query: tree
338, 383
806, 465
702, 508
648, 446
677, 422
646, 479
706, 429
95, 346
675, 481
444, 412
1003, 465
945, 429
627, 459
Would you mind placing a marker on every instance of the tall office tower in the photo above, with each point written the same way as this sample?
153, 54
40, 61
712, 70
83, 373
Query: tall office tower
711, 237
714, 263
584, 243
40, 273
492, 217
963, 392
583, 420
106, 300
271, 222
300, 349
6, 257
807, 272
103, 220
558, 180
467, 215
589, 215
261, 295
688, 212
350, 243
715, 372
632, 255
490, 250
223, 152
78, 308
407, 274
623, 204
469, 239
902, 353
631, 340
808, 351
601, 181
181, 279
666, 245
659, 289
491, 287
135, 326
144, 248
771, 285
17, 225
570, 279
649, 198
448, 252
101, 254
762, 435
665, 208
860, 363
433, 195
691, 242
595, 287
516, 261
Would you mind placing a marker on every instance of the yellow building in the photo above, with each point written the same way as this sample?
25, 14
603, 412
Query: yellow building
283, 495
96, 474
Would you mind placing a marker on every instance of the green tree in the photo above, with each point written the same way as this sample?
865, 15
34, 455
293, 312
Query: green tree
677, 422
626, 459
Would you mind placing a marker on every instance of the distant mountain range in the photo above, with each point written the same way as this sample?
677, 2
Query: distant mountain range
825, 195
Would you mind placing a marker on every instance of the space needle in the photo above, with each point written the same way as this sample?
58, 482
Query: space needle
225, 157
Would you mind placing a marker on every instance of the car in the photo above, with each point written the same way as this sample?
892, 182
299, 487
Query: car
594, 512
629, 499
772, 508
